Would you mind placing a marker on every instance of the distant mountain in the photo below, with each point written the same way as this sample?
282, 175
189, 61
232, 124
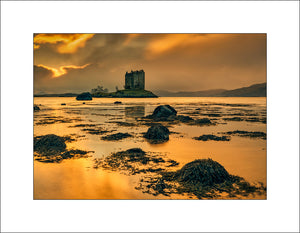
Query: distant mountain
256, 90
190, 94
56, 95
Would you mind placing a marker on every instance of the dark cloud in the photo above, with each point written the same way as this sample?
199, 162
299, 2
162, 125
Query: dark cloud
41, 73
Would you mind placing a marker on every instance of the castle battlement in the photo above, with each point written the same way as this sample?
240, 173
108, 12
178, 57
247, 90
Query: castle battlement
135, 80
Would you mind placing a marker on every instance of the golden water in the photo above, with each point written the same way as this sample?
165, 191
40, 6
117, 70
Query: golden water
77, 179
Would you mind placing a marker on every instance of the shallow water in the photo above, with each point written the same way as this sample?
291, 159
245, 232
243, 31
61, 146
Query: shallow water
77, 179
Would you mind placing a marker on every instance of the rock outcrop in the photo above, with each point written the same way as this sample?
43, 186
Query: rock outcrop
157, 134
49, 143
163, 112
84, 96
204, 171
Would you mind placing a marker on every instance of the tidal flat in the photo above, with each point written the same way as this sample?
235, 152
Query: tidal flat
104, 153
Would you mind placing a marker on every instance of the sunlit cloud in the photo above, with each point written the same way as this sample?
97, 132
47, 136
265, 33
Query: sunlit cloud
36, 46
130, 37
66, 43
62, 70
171, 41
173, 62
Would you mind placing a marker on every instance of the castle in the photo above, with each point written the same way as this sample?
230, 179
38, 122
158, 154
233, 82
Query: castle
135, 80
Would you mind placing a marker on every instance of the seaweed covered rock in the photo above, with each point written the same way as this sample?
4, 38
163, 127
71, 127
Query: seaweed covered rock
116, 136
134, 161
136, 152
52, 149
84, 96
250, 134
184, 119
163, 111
208, 137
49, 143
203, 121
202, 178
157, 133
36, 108
205, 172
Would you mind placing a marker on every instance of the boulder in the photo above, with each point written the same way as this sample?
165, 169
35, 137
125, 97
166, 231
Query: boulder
205, 172
84, 96
164, 111
136, 152
157, 133
63, 104
36, 108
117, 102
49, 143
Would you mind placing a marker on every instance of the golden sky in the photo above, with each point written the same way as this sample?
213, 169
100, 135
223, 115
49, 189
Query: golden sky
174, 62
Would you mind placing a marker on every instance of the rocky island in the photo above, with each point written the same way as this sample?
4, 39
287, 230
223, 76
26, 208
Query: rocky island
134, 88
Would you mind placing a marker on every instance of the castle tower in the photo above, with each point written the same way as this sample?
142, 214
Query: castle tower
135, 80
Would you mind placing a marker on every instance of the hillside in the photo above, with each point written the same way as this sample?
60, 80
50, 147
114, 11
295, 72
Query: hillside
56, 95
256, 90
190, 94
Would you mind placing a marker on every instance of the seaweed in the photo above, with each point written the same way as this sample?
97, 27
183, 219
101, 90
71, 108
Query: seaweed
116, 136
251, 134
48, 120
208, 137
203, 178
202, 122
51, 148
123, 123
97, 131
134, 161
233, 119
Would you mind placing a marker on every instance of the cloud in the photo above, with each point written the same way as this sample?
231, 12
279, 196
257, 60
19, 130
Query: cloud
65, 43
61, 70
172, 62
74, 80
167, 42
42, 72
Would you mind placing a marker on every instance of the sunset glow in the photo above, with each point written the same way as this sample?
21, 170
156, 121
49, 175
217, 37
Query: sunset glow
62, 70
173, 62
171, 41
67, 43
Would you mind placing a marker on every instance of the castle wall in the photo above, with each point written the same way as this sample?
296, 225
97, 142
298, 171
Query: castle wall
128, 81
135, 80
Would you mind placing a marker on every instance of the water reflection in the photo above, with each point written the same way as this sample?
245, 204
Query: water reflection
77, 179
134, 111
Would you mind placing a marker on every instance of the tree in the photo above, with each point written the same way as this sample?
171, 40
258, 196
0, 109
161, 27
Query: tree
100, 89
